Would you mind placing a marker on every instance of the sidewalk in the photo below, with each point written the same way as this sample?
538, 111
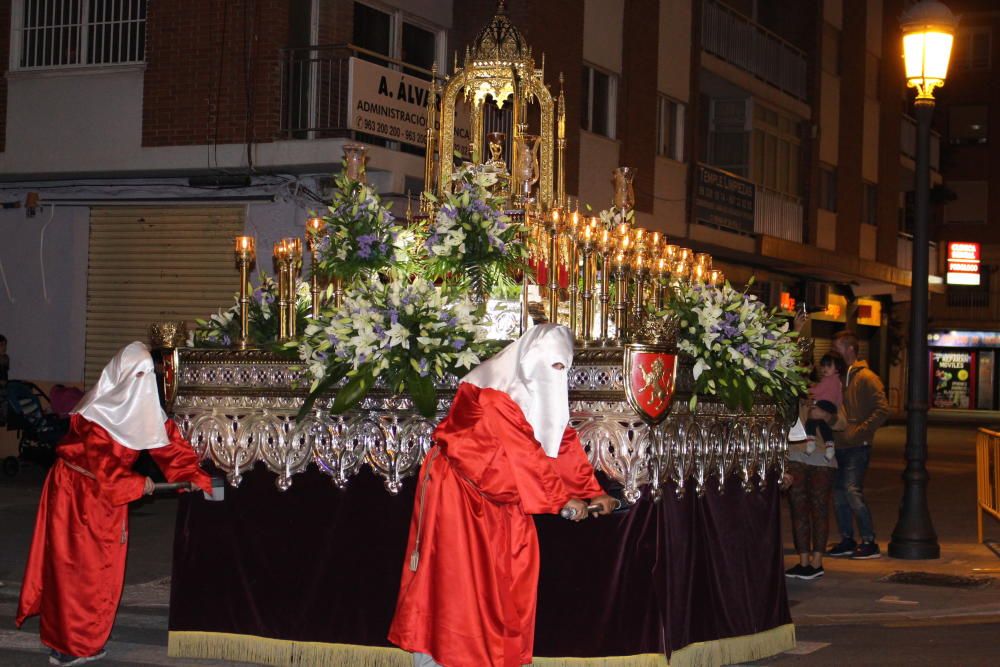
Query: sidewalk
850, 605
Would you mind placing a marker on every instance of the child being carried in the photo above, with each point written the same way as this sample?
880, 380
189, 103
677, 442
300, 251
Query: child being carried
827, 394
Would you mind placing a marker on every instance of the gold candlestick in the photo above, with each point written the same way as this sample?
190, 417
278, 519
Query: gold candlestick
662, 271
281, 262
587, 245
244, 260
552, 227
604, 245
621, 305
640, 270
314, 228
294, 246
573, 269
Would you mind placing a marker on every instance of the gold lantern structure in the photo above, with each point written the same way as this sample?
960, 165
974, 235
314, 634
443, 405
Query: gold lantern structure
498, 67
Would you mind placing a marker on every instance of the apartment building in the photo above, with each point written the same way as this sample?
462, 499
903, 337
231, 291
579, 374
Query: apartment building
770, 133
965, 320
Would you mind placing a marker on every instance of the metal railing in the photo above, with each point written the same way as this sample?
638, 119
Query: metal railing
987, 477
908, 142
777, 214
904, 254
315, 83
741, 42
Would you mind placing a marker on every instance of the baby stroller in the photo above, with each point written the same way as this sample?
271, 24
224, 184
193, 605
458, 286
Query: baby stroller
38, 430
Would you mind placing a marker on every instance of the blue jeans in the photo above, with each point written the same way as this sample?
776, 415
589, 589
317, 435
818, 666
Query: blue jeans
849, 494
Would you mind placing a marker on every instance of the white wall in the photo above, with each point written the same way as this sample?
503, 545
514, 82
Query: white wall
598, 157
602, 34
72, 123
675, 49
44, 322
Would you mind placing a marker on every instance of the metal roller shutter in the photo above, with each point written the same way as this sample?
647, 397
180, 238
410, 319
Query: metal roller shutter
148, 264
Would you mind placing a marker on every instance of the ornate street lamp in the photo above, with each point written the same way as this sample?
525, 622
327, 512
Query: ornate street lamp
928, 32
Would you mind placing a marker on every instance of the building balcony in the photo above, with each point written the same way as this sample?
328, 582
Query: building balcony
737, 40
777, 214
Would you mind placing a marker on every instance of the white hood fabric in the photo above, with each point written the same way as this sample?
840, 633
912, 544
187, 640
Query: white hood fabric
523, 370
126, 403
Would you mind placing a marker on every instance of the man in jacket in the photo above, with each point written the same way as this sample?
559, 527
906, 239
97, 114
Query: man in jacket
865, 408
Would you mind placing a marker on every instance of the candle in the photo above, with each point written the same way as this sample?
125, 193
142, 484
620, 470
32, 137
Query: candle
685, 254
315, 225
671, 252
699, 273
244, 244
655, 239
622, 230
639, 262
555, 216
715, 277
662, 266
605, 240
588, 234
624, 244
638, 235
620, 261
703, 259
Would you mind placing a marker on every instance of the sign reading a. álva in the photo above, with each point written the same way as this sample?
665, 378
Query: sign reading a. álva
393, 105
724, 200
963, 263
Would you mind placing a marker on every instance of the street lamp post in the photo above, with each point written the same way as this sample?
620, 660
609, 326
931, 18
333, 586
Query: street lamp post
928, 31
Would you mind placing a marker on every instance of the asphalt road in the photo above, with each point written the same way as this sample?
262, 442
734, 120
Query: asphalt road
848, 617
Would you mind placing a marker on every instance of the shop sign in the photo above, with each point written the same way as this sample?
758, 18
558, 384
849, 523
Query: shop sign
964, 339
953, 380
869, 312
963, 263
724, 200
836, 309
393, 105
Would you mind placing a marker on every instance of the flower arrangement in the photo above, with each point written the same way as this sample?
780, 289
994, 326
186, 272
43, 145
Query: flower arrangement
470, 239
739, 347
406, 334
223, 328
612, 217
360, 236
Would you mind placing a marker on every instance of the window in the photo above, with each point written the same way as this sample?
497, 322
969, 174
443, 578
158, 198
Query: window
972, 48
599, 96
869, 215
971, 296
776, 150
967, 125
395, 35
73, 33
828, 188
670, 129
831, 49
970, 205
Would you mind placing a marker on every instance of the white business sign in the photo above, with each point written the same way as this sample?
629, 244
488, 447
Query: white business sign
392, 105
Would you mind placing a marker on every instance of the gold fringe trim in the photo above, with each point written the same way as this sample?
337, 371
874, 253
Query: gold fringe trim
287, 653
734, 650
726, 651
281, 652
639, 660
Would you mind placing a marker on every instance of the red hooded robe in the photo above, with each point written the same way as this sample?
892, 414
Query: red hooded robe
470, 602
76, 568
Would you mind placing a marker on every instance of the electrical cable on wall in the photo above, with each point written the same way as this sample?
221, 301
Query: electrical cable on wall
41, 252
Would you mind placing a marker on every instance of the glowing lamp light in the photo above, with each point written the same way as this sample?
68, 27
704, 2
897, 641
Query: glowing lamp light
928, 34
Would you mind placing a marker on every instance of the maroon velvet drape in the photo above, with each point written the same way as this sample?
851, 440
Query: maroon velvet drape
320, 564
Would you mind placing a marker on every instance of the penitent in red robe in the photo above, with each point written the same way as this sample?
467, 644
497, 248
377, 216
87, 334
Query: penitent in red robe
471, 600
76, 567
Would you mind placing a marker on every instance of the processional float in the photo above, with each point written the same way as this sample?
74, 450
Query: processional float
629, 390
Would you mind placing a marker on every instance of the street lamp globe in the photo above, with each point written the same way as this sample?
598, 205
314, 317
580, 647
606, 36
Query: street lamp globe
928, 33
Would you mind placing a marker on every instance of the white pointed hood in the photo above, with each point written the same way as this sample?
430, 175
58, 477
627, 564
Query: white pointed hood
524, 371
125, 400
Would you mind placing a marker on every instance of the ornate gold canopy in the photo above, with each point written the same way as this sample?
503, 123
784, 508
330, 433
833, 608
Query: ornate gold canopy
498, 66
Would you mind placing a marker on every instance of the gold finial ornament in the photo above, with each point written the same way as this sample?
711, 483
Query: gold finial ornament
498, 67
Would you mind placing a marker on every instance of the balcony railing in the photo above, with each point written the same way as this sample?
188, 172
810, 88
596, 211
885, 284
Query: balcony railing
315, 83
908, 142
741, 42
904, 254
777, 214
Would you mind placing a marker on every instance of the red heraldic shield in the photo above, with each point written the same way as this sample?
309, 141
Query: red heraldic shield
649, 381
